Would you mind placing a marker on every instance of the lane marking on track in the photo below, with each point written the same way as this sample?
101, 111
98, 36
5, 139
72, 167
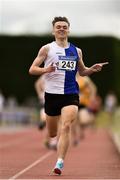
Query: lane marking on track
32, 165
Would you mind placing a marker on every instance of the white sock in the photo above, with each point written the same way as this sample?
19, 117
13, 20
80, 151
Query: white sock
53, 141
60, 160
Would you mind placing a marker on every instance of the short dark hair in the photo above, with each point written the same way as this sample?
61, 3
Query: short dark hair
56, 19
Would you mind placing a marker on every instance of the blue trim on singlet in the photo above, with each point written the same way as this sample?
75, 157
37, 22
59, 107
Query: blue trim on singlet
70, 84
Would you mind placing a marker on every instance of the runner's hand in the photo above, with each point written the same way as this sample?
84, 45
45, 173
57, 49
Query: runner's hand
98, 67
50, 68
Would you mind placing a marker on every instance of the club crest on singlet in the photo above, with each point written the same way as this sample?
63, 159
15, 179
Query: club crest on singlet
67, 63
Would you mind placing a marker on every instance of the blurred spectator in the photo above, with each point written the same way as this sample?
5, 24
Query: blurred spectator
12, 102
2, 100
110, 102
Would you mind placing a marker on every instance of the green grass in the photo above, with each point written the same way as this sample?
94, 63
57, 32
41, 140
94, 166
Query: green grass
116, 121
103, 120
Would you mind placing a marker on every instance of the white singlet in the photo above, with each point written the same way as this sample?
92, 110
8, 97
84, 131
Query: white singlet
63, 80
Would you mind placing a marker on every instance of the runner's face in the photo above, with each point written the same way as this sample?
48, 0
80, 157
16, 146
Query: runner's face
61, 29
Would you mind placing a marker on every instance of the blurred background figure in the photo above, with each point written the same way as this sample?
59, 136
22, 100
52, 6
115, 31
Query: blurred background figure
12, 102
110, 102
39, 87
2, 101
90, 104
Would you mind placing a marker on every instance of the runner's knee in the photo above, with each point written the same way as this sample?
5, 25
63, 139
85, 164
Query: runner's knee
66, 127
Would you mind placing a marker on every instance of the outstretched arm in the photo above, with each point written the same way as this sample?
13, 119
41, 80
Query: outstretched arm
85, 71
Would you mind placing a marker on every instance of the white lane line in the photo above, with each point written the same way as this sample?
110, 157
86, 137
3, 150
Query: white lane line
32, 165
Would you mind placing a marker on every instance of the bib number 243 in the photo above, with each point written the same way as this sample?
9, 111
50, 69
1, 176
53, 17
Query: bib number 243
67, 65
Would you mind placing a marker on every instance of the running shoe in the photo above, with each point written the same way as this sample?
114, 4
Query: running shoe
58, 168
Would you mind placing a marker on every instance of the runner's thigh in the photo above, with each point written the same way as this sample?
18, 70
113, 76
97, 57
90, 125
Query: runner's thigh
69, 113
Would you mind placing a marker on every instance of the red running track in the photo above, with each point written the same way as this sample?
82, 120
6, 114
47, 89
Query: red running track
23, 156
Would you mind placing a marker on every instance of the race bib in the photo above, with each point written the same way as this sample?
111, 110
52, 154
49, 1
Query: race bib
67, 63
